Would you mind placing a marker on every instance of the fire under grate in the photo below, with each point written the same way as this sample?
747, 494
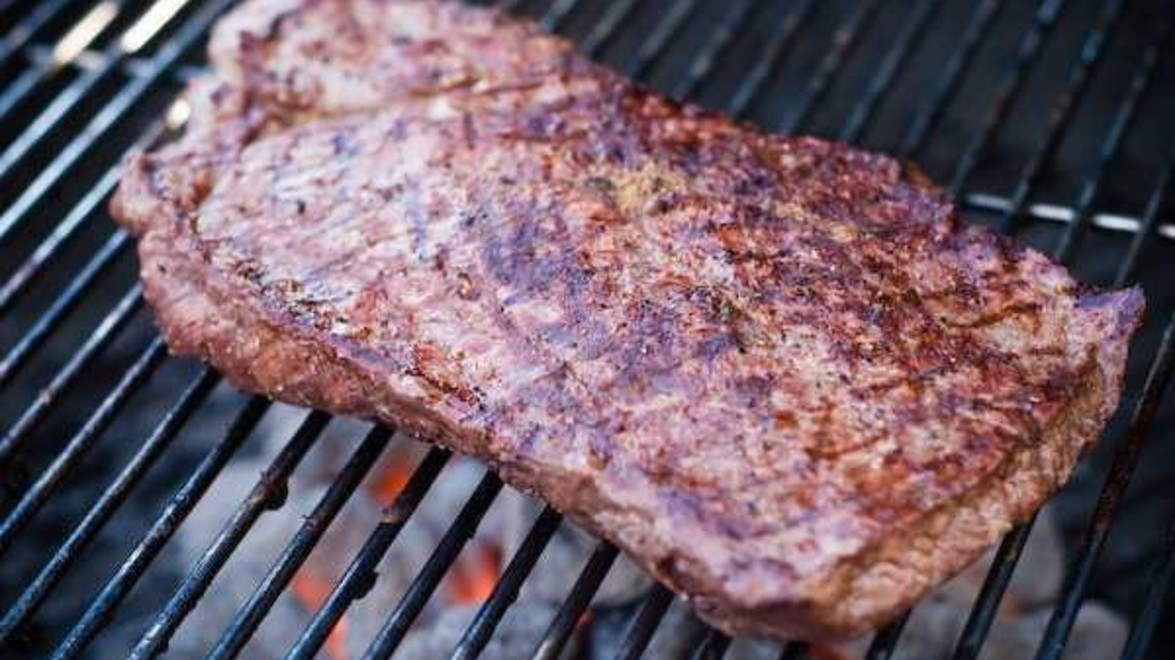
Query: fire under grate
1048, 120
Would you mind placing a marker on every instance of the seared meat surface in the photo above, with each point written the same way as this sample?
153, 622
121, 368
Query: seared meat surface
778, 372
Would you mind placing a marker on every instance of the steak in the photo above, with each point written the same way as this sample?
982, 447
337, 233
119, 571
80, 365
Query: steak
778, 372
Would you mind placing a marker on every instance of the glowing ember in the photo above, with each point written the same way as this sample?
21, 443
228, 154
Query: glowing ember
312, 593
391, 480
474, 575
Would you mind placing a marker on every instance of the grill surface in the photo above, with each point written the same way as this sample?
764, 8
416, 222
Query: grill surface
1045, 119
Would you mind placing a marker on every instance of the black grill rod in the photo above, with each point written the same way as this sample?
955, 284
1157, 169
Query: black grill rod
510, 6
605, 29
720, 40
1092, 52
52, 116
557, 13
426, 581
899, 53
773, 55
885, 642
361, 574
1117, 479
505, 592
1007, 91
114, 495
987, 602
68, 300
577, 601
844, 40
106, 331
84, 439
99, 614
713, 646
64, 103
1000, 574
18, 282
118, 108
23, 32
1148, 617
930, 112
794, 651
245, 623
269, 493
1140, 84
661, 36
19, 89
643, 626
1149, 222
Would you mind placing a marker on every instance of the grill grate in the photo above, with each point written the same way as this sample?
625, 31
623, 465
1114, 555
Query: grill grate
83, 81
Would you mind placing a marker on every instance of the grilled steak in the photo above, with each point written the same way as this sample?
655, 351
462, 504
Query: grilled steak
778, 372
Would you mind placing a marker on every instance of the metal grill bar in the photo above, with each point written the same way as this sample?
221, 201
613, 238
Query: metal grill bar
781, 42
360, 575
81, 443
988, 203
1062, 114
53, 115
713, 646
661, 36
1148, 227
181, 504
928, 116
19, 36
577, 601
65, 303
607, 26
910, 36
111, 498
295, 553
269, 493
557, 14
117, 108
81, 213
1144, 626
506, 590
1007, 91
1123, 121
106, 331
845, 39
644, 625
1121, 469
425, 583
999, 576
885, 642
67, 100
715, 46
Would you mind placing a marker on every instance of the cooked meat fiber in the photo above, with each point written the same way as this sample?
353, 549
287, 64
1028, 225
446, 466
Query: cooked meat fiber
778, 372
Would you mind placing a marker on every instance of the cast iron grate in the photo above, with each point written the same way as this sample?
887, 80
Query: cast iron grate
1067, 96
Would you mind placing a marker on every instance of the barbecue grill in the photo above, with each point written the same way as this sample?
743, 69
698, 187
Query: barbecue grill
1049, 120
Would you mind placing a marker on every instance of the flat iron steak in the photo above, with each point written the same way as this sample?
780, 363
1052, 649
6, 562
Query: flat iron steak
777, 372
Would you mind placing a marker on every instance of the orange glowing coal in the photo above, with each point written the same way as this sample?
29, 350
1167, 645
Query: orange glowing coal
312, 592
473, 577
470, 581
388, 483
476, 571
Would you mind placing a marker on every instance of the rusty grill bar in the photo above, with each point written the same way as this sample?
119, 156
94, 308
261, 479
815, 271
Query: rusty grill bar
90, 74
